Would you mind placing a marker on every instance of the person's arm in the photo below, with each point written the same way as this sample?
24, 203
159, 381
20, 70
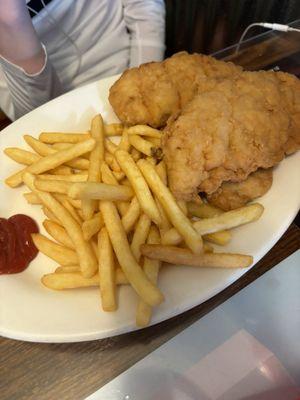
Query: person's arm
30, 77
19, 43
145, 21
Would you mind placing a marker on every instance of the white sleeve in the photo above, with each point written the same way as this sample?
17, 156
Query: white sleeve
145, 21
30, 91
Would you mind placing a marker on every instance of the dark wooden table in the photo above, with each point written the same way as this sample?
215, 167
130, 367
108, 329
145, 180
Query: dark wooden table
33, 371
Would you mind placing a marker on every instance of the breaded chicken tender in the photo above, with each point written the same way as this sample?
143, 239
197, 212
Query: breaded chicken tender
151, 93
221, 123
229, 131
234, 195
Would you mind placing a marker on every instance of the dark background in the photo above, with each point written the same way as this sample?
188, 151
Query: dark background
206, 26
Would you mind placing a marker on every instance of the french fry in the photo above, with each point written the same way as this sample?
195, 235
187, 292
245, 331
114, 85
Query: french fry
46, 150
135, 154
61, 146
229, 219
221, 238
124, 143
142, 145
107, 175
92, 226
123, 207
141, 232
113, 129
95, 248
179, 220
67, 269
226, 220
86, 256
74, 280
208, 211
183, 206
133, 272
58, 233
100, 191
162, 173
109, 178
32, 198
165, 223
179, 256
61, 170
118, 175
161, 170
110, 146
112, 162
106, 272
68, 206
21, 156
74, 203
151, 269
53, 186
156, 142
15, 179
67, 178
59, 137
144, 130
96, 159
131, 216
139, 186
53, 160
61, 254
62, 197
203, 210
49, 214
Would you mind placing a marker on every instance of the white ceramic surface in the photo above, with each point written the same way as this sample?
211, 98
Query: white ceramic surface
29, 311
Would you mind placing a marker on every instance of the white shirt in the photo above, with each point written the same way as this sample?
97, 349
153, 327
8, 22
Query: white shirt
84, 40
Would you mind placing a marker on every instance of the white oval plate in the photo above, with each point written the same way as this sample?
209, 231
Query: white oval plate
29, 311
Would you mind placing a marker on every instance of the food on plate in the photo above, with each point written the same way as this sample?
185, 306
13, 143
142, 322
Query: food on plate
232, 195
151, 268
178, 256
107, 279
226, 133
132, 207
172, 209
61, 254
153, 92
220, 123
96, 158
87, 259
221, 222
17, 249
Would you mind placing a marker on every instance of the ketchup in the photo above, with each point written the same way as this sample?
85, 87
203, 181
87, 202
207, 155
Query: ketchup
16, 246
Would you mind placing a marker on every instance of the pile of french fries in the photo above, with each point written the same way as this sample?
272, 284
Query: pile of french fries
111, 216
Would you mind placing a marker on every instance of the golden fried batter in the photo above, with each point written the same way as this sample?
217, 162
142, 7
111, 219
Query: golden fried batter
151, 93
234, 195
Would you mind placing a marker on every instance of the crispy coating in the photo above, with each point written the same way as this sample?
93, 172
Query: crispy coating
151, 93
229, 131
221, 123
234, 195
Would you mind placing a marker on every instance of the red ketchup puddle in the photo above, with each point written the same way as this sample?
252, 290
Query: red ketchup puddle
16, 246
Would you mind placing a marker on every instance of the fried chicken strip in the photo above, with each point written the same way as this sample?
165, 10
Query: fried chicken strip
230, 130
153, 92
230, 196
